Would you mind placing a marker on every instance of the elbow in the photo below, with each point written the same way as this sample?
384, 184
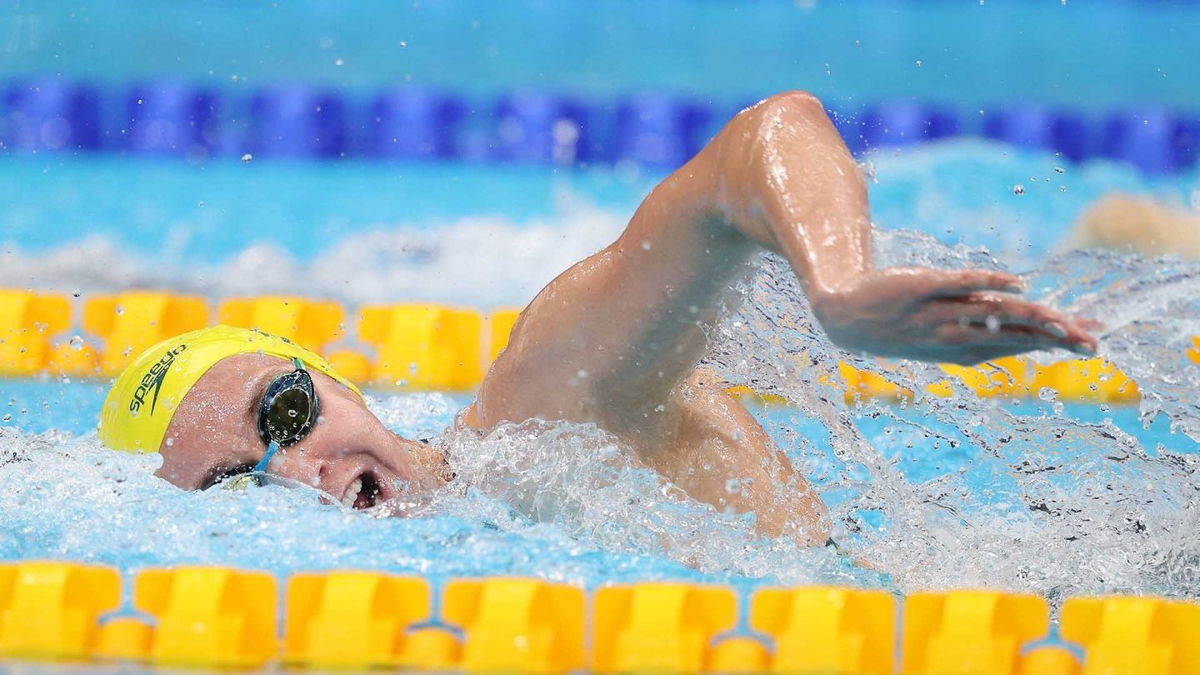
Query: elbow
794, 105
792, 119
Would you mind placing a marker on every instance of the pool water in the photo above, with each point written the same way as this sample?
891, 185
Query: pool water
379, 232
956, 492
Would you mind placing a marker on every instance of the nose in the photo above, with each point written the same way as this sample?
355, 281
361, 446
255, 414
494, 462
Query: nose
295, 463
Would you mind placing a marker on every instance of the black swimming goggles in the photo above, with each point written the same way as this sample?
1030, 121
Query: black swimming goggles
287, 414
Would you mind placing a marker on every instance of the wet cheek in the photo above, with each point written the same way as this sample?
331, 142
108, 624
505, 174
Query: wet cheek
345, 418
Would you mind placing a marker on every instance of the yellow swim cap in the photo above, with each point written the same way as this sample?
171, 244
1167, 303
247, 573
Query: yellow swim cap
143, 399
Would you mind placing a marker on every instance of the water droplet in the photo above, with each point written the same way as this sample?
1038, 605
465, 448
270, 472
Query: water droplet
76, 293
403, 43
200, 203
120, 310
1059, 169
339, 61
76, 342
645, 244
919, 64
247, 157
582, 374
6, 418
1018, 190
292, 413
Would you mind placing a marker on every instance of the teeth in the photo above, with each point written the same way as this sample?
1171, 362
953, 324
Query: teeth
352, 492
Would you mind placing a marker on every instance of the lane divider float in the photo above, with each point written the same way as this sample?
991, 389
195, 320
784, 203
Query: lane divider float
655, 129
211, 616
427, 347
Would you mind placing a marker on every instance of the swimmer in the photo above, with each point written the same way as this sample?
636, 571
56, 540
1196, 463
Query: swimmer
614, 341
1131, 224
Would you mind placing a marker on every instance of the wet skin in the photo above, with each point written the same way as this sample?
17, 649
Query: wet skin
614, 340
215, 432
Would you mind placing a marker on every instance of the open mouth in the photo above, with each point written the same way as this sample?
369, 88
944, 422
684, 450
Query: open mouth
364, 492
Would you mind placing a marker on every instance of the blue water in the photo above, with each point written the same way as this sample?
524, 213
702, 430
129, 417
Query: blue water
1090, 55
184, 214
950, 493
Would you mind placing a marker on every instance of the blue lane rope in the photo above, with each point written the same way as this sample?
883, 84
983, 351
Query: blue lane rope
651, 129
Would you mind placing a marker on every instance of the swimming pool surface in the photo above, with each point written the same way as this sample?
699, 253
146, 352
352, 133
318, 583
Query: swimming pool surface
945, 493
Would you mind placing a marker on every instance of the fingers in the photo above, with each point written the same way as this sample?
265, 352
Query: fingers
974, 344
964, 282
999, 320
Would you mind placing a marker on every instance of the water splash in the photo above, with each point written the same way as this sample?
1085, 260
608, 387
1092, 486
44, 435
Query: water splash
939, 493
1009, 498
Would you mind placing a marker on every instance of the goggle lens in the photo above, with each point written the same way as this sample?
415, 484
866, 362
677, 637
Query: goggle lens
289, 408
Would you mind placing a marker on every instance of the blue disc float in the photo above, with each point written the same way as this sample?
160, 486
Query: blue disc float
1154, 140
651, 129
412, 123
905, 123
1037, 126
296, 122
659, 131
50, 114
169, 118
539, 127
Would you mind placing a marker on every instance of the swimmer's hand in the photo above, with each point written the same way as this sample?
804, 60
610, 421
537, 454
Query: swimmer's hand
944, 316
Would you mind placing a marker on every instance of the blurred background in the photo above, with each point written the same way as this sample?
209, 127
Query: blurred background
467, 151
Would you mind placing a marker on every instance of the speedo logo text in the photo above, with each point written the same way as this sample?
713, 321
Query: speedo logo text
152, 381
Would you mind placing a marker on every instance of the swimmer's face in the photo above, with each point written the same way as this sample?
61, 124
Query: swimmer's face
348, 453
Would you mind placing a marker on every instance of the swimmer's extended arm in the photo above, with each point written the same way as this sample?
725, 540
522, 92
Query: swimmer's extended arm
611, 338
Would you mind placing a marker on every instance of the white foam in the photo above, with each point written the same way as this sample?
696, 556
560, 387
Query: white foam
482, 261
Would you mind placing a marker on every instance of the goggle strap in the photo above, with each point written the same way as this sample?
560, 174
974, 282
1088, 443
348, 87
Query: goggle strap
263, 463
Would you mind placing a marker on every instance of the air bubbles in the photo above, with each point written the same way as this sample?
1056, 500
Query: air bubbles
246, 158
1018, 190
76, 342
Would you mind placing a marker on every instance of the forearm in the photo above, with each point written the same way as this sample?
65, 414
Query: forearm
786, 180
